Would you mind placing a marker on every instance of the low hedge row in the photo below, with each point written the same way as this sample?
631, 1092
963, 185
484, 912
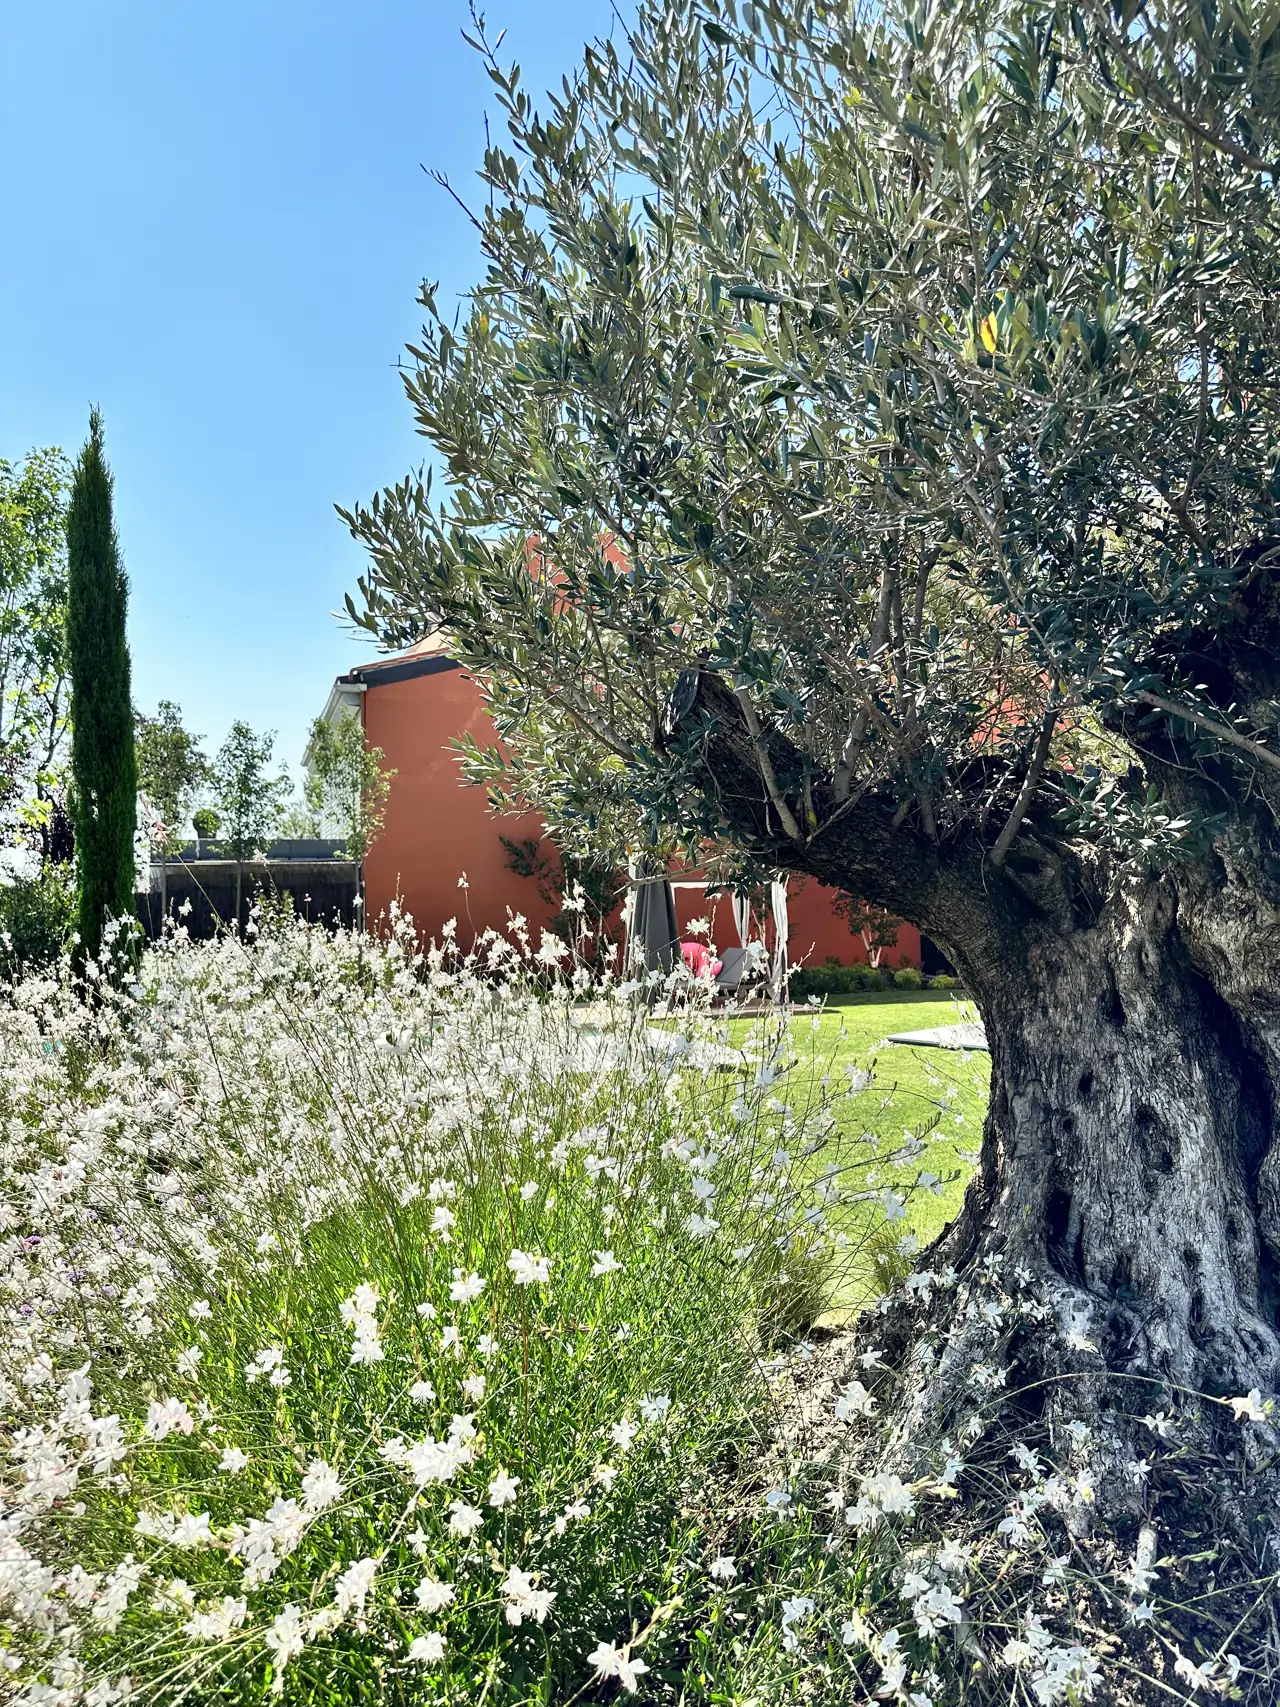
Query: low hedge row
835, 980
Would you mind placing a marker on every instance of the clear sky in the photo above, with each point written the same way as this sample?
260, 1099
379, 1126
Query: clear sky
215, 221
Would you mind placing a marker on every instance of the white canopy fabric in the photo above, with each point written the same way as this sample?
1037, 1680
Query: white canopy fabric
742, 917
782, 929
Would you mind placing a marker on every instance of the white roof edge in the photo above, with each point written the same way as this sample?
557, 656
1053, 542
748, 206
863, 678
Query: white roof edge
338, 702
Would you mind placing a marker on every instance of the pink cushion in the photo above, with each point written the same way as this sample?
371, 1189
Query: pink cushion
697, 957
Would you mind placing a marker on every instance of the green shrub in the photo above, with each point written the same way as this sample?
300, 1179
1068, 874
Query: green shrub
943, 981
908, 978
35, 921
832, 979
206, 823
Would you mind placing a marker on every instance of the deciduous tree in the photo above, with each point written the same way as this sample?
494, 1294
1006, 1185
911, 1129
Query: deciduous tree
347, 783
249, 800
33, 639
171, 769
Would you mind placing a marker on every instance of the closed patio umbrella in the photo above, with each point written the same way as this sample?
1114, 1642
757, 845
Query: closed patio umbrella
654, 944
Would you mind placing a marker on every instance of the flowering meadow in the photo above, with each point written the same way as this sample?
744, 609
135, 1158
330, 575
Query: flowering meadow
376, 1318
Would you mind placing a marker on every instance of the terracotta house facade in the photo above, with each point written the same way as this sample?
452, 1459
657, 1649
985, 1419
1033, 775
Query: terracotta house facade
439, 831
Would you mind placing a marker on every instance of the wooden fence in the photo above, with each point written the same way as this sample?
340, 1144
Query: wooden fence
321, 889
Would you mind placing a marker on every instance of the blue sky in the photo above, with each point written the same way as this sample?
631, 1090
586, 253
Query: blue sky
215, 224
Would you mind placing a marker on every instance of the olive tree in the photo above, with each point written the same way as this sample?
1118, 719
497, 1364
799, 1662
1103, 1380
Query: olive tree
862, 453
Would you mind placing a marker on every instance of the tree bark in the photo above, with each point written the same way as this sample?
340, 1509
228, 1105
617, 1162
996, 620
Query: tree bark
1130, 1154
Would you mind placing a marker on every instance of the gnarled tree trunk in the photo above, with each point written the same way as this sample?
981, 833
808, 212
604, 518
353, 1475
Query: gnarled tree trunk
1129, 1158
1130, 1163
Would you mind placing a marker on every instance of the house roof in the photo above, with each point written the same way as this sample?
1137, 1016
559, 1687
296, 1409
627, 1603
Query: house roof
426, 658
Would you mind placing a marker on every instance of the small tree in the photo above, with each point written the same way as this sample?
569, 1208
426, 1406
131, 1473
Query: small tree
876, 929
249, 800
33, 639
171, 767
299, 822
583, 892
103, 762
347, 784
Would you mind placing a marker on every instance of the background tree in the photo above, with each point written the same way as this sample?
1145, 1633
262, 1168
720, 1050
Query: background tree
33, 640
863, 409
299, 822
249, 801
103, 764
874, 928
347, 782
172, 768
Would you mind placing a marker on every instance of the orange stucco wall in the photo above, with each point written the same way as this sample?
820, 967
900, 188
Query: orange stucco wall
437, 829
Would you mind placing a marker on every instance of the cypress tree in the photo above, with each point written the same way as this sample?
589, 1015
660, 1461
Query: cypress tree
103, 763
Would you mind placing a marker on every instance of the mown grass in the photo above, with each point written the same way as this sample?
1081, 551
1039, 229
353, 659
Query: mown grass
937, 1095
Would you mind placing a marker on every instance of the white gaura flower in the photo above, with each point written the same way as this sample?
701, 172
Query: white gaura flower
528, 1268
523, 1599
362, 1302
353, 1587
321, 1486
233, 1460
264, 1362
427, 1650
192, 1530
473, 1388
529, 1190
433, 1596
502, 1489
428, 1461
723, 1568
466, 1288
1195, 1676
166, 1417
464, 1519
702, 1226
422, 1392
610, 1661
286, 1635
1250, 1408
605, 1263
214, 1623
188, 1361
624, 1433
654, 1407
574, 1512
855, 1401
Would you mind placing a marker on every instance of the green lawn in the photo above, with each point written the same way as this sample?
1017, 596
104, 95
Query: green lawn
938, 1095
